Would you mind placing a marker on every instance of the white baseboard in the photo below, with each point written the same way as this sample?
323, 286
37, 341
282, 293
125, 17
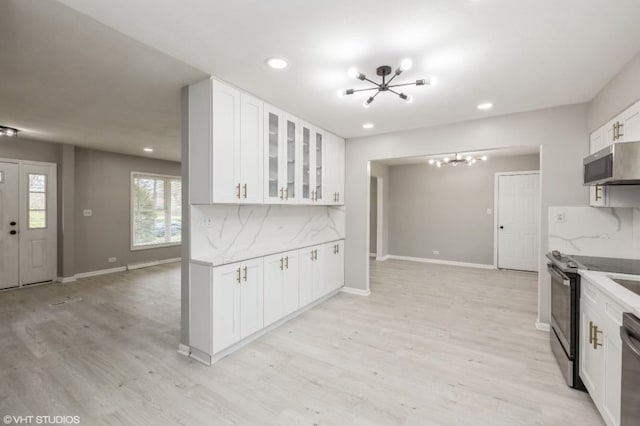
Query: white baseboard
372, 255
356, 291
67, 279
440, 262
100, 272
184, 349
382, 258
132, 266
543, 326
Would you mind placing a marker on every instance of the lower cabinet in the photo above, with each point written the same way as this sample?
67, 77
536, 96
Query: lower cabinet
601, 350
281, 286
237, 302
231, 302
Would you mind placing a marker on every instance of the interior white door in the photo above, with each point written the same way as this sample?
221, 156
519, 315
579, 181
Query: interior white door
518, 221
9, 237
38, 224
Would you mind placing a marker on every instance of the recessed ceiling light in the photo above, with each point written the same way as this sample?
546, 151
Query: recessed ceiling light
367, 126
277, 63
147, 149
485, 106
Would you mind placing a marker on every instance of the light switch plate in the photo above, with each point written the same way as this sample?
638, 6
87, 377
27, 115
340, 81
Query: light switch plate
87, 212
559, 217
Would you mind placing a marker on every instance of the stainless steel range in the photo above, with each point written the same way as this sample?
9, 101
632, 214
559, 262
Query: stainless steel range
565, 305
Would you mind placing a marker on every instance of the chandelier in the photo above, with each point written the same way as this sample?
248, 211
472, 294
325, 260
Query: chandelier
456, 159
385, 86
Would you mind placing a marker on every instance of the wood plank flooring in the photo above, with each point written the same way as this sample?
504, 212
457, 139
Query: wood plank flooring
432, 345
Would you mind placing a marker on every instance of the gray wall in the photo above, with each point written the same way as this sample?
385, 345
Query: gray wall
373, 214
622, 91
445, 209
100, 181
561, 132
103, 182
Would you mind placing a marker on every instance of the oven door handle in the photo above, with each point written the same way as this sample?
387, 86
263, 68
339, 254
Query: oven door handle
565, 280
626, 340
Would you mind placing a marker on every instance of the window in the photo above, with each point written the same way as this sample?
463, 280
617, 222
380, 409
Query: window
37, 209
156, 209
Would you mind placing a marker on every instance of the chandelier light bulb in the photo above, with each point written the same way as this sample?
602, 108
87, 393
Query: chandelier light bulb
367, 102
406, 64
353, 72
10, 132
340, 93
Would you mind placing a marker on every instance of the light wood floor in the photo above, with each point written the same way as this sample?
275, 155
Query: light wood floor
432, 345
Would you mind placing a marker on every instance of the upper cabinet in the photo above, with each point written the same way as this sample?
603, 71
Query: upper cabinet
335, 169
225, 145
243, 151
625, 127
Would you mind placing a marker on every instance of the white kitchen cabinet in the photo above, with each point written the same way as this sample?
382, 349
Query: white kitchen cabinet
630, 124
335, 170
601, 350
334, 266
226, 304
312, 161
598, 140
281, 278
598, 196
282, 159
311, 274
225, 145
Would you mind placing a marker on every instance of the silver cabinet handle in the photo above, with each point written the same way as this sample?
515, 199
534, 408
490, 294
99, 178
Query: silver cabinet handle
281, 263
245, 273
245, 190
286, 262
238, 190
598, 193
312, 255
281, 193
286, 193
238, 275
620, 134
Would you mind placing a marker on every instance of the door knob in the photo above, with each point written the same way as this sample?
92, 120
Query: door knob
13, 223
501, 227
13, 232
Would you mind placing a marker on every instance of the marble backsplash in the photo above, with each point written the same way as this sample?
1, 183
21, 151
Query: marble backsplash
589, 231
228, 233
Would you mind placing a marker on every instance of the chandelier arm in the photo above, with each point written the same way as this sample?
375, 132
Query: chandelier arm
391, 79
393, 91
372, 82
364, 90
404, 84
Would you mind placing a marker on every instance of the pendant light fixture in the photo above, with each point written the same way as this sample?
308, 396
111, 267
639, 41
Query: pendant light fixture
456, 159
384, 71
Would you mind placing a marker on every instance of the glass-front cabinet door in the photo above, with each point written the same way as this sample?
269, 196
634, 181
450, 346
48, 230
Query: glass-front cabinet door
290, 148
274, 191
307, 187
319, 164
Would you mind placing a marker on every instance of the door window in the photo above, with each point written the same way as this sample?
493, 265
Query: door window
37, 208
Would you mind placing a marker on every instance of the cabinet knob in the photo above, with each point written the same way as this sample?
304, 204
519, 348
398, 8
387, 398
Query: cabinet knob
12, 223
12, 232
501, 227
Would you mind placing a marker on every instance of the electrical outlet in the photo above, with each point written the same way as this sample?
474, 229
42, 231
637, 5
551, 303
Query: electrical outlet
207, 221
559, 217
87, 212
436, 252
112, 259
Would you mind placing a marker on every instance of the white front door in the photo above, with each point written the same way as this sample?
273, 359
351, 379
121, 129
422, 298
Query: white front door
9, 237
518, 221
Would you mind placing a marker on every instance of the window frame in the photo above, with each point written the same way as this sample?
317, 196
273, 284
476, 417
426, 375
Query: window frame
167, 197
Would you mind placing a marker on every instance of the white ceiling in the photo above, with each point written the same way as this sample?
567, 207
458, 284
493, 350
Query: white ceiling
491, 153
66, 77
520, 55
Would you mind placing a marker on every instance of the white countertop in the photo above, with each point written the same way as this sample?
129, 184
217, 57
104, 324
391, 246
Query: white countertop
614, 290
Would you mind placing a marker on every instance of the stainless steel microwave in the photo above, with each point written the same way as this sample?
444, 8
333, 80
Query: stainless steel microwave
617, 164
